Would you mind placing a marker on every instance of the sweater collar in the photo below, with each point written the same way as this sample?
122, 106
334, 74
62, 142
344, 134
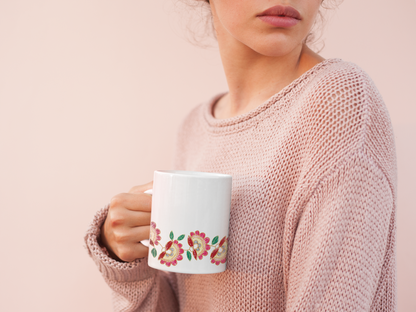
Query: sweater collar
244, 120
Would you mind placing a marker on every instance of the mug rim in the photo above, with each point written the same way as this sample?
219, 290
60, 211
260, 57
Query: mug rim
194, 174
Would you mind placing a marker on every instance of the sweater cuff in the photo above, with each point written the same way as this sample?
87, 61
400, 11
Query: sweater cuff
110, 268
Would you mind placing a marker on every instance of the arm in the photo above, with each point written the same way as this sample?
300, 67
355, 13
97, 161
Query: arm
341, 255
136, 286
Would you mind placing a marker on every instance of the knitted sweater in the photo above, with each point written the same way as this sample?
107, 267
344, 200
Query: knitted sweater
313, 213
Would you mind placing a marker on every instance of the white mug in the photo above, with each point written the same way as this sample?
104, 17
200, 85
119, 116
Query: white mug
189, 221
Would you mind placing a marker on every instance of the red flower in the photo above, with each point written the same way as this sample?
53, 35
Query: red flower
198, 244
154, 235
219, 254
171, 254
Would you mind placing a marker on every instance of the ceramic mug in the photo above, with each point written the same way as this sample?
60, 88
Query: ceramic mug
189, 221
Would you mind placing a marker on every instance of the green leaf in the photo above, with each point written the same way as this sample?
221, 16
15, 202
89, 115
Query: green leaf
171, 235
214, 240
181, 237
154, 252
188, 254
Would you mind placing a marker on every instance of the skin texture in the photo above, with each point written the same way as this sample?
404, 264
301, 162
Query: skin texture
259, 60
127, 223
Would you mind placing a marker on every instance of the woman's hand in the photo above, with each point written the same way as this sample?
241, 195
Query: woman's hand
127, 223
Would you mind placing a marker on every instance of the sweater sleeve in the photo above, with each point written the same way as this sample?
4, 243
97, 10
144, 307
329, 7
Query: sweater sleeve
136, 286
343, 247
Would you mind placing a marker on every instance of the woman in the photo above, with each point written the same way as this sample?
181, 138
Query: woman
310, 146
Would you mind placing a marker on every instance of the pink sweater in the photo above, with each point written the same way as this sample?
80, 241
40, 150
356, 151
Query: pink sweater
313, 216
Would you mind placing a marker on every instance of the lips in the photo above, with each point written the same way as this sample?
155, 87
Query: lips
280, 10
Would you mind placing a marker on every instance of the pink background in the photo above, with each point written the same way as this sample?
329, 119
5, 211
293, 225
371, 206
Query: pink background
91, 95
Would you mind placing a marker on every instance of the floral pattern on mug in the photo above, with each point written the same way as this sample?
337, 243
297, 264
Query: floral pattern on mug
198, 245
171, 254
198, 242
219, 254
154, 236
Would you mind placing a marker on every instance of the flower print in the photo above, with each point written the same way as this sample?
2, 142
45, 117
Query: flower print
154, 236
198, 244
218, 255
171, 254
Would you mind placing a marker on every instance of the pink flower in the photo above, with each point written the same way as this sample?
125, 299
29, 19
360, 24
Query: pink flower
219, 254
154, 236
198, 244
171, 253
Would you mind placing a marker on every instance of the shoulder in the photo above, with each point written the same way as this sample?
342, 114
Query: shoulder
190, 132
342, 81
344, 112
190, 125
196, 117
191, 119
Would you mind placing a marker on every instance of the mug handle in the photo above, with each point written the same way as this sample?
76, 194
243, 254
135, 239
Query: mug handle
146, 242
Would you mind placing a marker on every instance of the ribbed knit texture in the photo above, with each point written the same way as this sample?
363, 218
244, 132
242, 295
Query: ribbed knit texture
313, 215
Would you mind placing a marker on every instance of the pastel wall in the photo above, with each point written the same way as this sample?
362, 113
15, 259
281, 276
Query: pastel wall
91, 94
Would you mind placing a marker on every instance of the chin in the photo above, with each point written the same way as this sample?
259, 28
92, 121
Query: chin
274, 47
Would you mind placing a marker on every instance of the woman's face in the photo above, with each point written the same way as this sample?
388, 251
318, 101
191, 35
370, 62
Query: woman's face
237, 21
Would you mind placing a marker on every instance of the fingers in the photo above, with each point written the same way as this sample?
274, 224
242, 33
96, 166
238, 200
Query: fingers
128, 222
127, 244
141, 188
122, 217
128, 236
134, 252
132, 201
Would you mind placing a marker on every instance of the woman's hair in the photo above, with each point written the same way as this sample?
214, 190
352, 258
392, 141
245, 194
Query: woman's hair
200, 25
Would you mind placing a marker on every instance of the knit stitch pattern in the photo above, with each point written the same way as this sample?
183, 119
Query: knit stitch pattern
313, 210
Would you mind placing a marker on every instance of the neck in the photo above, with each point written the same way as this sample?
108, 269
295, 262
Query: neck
252, 78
